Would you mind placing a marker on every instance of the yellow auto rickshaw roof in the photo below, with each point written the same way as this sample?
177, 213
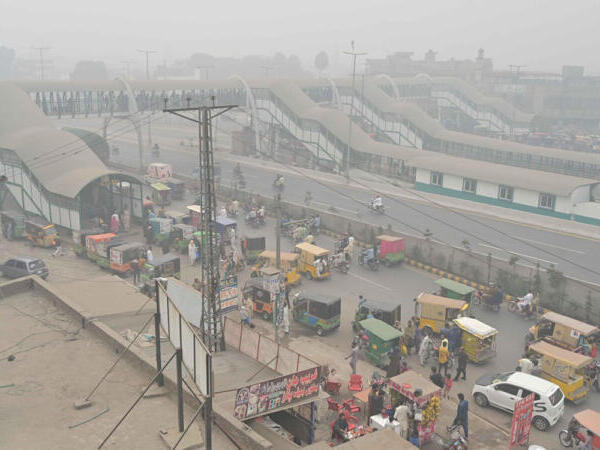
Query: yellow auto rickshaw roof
386, 237
431, 299
160, 187
312, 249
573, 359
285, 256
581, 327
589, 419
475, 327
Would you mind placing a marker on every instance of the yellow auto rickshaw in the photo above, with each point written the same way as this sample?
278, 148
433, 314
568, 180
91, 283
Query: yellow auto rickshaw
313, 262
564, 368
434, 312
564, 332
289, 265
478, 339
42, 235
161, 194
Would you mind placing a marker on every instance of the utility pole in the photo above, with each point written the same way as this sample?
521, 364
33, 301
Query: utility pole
42, 63
206, 68
127, 65
148, 53
212, 319
277, 262
354, 54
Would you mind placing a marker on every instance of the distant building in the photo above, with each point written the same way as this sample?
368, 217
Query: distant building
402, 64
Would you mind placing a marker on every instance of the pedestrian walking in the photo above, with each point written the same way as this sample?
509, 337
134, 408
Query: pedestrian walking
126, 219
57, 247
135, 267
443, 356
148, 234
461, 368
418, 336
286, 317
191, 252
462, 414
425, 349
410, 335
115, 223
353, 356
447, 385
401, 415
149, 256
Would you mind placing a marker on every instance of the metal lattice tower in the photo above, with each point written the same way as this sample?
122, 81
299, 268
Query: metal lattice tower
212, 321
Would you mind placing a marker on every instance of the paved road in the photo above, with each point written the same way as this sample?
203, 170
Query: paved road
406, 216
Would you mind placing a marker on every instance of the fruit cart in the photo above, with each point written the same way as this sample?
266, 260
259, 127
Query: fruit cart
424, 395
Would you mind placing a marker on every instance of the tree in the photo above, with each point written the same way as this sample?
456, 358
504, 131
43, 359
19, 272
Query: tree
7, 57
321, 61
90, 70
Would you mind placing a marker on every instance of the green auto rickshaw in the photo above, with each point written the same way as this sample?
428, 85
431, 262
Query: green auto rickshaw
390, 313
317, 311
382, 338
454, 289
13, 225
181, 236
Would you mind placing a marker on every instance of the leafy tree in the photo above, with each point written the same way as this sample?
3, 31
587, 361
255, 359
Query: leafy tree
7, 57
321, 61
90, 70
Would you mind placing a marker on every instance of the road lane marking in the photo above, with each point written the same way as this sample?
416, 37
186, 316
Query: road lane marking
366, 280
510, 252
329, 205
553, 246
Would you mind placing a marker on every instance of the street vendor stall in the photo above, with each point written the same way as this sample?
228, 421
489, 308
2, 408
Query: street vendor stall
424, 397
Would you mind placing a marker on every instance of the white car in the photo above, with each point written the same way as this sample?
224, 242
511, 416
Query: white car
502, 390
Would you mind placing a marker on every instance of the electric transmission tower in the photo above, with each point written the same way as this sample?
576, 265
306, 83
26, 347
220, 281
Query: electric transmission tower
212, 320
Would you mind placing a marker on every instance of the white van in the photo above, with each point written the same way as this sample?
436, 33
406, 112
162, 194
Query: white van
502, 390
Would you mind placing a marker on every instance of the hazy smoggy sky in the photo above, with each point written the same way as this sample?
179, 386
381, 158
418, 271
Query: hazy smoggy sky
543, 35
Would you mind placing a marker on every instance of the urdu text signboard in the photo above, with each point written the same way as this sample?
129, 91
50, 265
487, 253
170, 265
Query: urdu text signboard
260, 398
521, 423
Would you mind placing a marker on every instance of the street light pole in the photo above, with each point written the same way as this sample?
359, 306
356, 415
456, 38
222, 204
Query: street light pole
354, 54
147, 53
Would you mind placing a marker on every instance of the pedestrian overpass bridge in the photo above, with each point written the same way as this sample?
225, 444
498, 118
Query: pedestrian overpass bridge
317, 113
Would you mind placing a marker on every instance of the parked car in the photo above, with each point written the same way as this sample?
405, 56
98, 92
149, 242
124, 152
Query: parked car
503, 390
22, 266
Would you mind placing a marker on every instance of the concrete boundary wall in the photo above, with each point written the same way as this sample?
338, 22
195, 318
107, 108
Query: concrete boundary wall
243, 436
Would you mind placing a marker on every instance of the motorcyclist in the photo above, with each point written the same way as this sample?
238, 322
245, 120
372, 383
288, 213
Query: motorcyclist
377, 202
279, 180
524, 303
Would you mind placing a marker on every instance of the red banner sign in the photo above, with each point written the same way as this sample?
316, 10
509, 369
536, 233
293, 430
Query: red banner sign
521, 423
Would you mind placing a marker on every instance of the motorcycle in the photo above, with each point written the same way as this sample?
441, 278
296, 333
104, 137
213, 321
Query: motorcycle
513, 307
572, 436
592, 375
487, 301
339, 262
379, 209
455, 442
278, 184
372, 262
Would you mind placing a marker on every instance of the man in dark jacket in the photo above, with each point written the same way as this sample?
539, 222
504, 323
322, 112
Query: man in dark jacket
461, 358
436, 378
462, 414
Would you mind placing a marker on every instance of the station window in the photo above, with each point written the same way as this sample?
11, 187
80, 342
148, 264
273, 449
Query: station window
469, 185
437, 178
505, 193
547, 201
